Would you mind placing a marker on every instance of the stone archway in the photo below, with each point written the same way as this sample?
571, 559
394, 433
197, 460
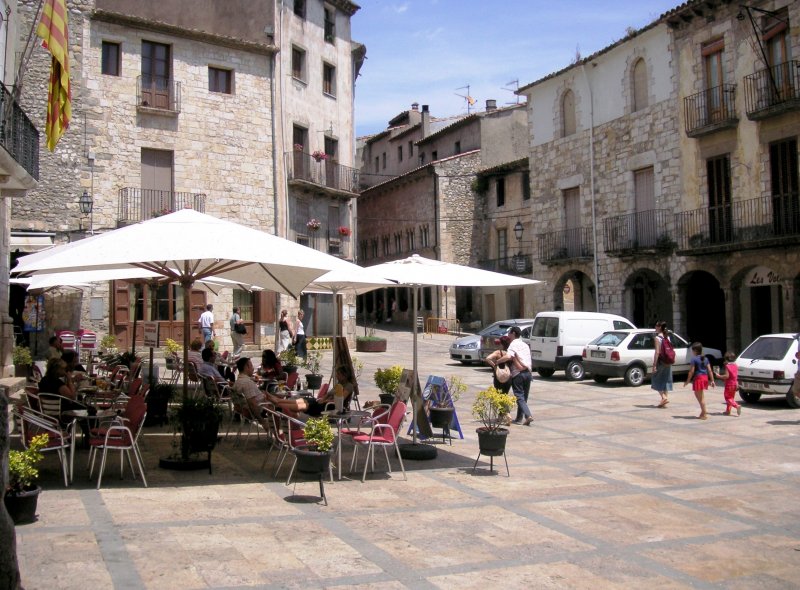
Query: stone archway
574, 291
647, 298
702, 306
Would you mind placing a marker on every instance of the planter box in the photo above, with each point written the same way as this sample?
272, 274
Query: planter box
371, 345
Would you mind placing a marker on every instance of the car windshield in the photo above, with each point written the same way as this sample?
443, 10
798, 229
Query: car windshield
609, 339
499, 330
767, 348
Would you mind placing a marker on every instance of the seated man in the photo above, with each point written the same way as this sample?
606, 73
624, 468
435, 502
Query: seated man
56, 348
194, 355
315, 407
247, 388
208, 367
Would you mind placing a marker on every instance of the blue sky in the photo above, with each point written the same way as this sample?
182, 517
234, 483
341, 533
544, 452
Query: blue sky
425, 50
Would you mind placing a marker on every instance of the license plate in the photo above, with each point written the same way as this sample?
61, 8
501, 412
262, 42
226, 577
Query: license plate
754, 386
598, 354
536, 354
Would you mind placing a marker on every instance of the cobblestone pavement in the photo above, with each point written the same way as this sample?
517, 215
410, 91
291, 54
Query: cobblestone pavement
606, 491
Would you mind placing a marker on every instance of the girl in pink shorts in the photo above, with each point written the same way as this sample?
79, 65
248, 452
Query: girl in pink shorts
698, 375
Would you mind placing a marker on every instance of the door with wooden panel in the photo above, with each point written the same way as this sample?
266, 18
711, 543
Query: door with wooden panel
572, 219
157, 183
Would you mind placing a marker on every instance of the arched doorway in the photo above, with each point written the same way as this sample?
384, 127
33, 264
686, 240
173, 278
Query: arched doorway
703, 307
574, 291
647, 298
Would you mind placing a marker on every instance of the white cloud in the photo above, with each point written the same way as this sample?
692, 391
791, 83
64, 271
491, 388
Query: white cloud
400, 8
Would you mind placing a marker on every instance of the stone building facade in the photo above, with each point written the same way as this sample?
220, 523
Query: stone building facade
19, 172
186, 105
624, 216
432, 205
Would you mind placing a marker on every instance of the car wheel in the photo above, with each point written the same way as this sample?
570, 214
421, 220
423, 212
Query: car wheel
600, 378
465, 363
635, 375
750, 397
575, 371
545, 372
792, 400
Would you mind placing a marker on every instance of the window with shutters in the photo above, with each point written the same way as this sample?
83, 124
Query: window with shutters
111, 59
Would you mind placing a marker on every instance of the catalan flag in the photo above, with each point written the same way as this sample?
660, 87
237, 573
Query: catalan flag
55, 38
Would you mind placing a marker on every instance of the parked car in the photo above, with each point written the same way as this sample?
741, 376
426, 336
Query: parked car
467, 349
490, 340
767, 367
629, 354
558, 338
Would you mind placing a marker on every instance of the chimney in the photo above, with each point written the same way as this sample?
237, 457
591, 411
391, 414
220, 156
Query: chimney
491, 104
414, 106
426, 121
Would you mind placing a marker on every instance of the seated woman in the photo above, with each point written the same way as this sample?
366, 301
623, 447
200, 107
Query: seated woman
271, 367
73, 363
57, 381
345, 384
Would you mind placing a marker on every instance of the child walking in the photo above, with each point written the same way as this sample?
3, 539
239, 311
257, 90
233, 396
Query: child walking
730, 374
698, 375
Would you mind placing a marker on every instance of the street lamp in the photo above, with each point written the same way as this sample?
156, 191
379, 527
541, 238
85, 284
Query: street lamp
518, 229
518, 260
86, 203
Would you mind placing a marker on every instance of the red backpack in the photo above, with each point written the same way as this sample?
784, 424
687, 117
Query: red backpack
667, 353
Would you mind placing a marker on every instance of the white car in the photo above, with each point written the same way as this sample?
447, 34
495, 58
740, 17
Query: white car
466, 349
629, 354
767, 367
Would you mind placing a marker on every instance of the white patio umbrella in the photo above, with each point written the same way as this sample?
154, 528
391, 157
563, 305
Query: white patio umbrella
355, 280
187, 246
417, 271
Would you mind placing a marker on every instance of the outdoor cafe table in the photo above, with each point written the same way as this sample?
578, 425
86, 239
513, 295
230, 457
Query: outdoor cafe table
85, 416
342, 418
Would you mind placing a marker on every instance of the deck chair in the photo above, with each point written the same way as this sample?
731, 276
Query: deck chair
381, 435
61, 440
68, 339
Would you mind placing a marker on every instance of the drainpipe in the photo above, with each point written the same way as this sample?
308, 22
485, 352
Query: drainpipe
591, 189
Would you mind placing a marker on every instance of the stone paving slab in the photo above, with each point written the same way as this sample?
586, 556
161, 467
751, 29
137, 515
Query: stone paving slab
606, 491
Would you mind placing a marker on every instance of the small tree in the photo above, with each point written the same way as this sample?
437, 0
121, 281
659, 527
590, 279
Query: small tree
490, 406
319, 434
388, 380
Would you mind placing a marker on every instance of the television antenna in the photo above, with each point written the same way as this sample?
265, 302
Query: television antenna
514, 87
467, 97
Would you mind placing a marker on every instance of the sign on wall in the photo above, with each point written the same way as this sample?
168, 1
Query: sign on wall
761, 276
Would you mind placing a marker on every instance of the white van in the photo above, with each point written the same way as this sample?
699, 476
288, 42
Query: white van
559, 337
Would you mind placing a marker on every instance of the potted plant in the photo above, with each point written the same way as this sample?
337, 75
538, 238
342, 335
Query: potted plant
289, 360
319, 156
442, 403
197, 419
158, 399
313, 224
108, 344
344, 231
23, 360
315, 456
490, 407
171, 350
22, 493
312, 362
388, 380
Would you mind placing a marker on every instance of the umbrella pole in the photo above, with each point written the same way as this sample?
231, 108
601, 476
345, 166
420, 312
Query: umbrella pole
187, 299
415, 393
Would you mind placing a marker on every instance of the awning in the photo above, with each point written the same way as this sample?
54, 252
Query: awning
30, 243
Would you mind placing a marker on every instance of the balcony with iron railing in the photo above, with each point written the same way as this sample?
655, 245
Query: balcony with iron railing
139, 204
755, 223
772, 91
710, 110
518, 264
18, 135
331, 242
569, 244
309, 169
157, 95
641, 233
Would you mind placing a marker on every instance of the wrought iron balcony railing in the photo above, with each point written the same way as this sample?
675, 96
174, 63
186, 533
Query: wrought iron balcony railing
18, 135
321, 172
567, 244
643, 231
515, 264
772, 90
763, 219
139, 204
710, 110
327, 241
157, 94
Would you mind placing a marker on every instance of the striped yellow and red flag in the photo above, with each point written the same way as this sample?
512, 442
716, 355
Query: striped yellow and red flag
55, 38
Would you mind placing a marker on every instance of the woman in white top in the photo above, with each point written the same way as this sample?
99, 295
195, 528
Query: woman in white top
285, 332
300, 336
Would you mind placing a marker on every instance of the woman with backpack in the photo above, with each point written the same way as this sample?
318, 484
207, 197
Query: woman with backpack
661, 380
